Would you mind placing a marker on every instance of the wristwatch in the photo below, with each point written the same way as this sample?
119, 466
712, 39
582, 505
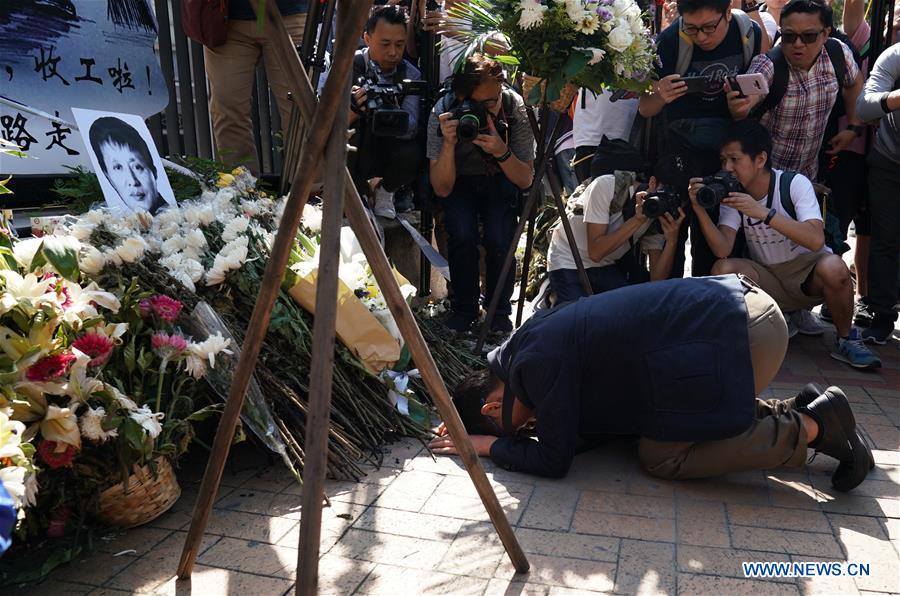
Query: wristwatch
505, 156
769, 217
859, 129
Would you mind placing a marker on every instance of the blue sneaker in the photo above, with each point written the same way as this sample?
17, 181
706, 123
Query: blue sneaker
854, 351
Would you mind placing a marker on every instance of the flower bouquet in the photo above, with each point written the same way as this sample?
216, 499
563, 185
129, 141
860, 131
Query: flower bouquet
563, 44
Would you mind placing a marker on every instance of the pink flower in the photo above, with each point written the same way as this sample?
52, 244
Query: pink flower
63, 459
166, 308
50, 367
97, 346
168, 346
145, 308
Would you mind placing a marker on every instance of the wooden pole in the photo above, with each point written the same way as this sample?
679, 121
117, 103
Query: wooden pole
418, 349
334, 97
317, 420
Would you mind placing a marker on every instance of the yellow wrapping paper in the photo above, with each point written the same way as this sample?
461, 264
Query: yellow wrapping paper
356, 327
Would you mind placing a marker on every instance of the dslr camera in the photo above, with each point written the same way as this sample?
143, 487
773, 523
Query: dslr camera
384, 115
716, 187
472, 117
662, 200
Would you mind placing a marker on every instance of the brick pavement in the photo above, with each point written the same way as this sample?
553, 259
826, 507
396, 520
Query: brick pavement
416, 525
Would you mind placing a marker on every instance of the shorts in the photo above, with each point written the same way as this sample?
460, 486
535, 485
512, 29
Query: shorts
767, 332
784, 281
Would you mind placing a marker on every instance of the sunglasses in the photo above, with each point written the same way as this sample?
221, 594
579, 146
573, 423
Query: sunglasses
708, 28
789, 37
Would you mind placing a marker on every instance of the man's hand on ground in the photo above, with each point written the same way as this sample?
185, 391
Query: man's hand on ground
443, 443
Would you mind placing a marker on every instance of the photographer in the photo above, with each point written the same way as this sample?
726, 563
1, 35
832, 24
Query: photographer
385, 152
482, 154
609, 220
782, 221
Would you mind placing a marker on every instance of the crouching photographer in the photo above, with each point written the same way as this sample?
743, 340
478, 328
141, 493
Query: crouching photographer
384, 109
481, 151
782, 223
614, 226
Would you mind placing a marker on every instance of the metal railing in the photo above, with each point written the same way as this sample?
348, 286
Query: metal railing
184, 127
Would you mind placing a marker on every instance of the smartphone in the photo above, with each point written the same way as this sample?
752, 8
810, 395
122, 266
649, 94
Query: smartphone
749, 84
696, 84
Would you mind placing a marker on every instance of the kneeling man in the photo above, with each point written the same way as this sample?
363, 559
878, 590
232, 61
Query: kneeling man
678, 363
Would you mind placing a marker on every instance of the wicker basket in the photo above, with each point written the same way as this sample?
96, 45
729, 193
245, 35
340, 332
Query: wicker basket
142, 498
566, 95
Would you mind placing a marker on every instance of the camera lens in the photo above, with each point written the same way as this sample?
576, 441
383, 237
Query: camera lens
652, 207
710, 195
468, 127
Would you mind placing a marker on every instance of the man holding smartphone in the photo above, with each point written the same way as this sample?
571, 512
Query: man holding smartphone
708, 42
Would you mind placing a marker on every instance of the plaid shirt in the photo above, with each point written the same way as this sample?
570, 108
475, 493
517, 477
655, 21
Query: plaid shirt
797, 124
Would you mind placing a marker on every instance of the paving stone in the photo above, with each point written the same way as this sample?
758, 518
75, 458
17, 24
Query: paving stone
57, 587
339, 575
335, 521
723, 490
502, 587
641, 483
362, 493
702, 523
251, 557
866, 541
854, 505
646, 568
723, 562
209, 580
625, 504
794, 491
777, 518
409, 491
825, 585
475, 552
160, 565
274, 479
391, 581
703, 585
456, 497
249, 526
786, 541
550, 508
93, 568
261, 502
407, 523
402, 452
882, 436
572, 546
389, 549
141, 540
568, 573
624, 526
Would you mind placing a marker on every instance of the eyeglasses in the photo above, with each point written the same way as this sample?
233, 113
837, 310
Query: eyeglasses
789, 37
707, 29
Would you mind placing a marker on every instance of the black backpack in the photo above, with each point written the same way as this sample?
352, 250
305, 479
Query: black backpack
834, 237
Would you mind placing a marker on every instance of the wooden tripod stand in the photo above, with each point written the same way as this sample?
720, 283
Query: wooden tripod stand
327, 121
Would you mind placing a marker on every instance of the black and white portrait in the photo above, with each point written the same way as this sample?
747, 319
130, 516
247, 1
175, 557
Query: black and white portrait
126, 161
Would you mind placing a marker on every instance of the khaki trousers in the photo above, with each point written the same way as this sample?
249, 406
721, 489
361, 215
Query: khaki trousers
776, 438
230, 69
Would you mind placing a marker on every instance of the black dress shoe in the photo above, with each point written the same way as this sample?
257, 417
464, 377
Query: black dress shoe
838, 438
806, 396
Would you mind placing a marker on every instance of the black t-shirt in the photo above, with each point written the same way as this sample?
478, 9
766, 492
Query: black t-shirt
725, 60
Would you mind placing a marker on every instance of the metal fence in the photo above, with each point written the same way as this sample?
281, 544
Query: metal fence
184, 127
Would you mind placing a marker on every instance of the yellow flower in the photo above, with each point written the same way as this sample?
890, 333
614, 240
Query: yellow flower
224, 180
238, 171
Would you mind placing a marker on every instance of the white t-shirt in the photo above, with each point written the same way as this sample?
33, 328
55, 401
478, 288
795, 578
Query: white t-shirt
770, 24
597, 198
599, 117
767, 245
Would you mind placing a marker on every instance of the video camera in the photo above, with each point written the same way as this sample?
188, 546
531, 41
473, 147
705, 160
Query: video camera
716, 188
660, 201
385, 117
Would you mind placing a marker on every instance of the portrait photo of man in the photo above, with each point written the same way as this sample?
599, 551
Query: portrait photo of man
126, 161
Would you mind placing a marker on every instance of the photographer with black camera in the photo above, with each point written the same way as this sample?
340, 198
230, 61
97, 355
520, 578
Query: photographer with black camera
481, 150
385, 109
615, 219
782, 222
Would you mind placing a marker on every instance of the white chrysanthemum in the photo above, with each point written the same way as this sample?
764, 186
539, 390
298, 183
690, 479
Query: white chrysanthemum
82, 229
184, 279
91, 424
112, 257
194, 366
233, 254
190, 252
575, 10
215, 276
312, 218
149, 420
532, 13
132, 249
91, 260
199, 354
13, 480
173, 244
588, 25
168, 230
252, 208
121, 398
95, 216
226, 194
234, 228
195, 238
207, 196
172, 261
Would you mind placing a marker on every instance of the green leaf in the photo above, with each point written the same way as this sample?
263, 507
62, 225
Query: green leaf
8, 370
403, 362
554, 87
145, 359
576, 63
204, 413
62, 253
129, 355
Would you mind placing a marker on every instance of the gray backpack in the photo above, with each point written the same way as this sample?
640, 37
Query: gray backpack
686, 43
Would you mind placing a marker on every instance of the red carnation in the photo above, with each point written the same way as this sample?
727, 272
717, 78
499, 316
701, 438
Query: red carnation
63, 459
97, 346
50, 367
166, 308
